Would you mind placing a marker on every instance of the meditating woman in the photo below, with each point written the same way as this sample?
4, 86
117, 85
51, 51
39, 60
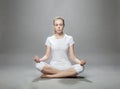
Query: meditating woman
59, 50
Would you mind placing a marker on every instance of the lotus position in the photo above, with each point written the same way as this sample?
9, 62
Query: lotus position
59, 50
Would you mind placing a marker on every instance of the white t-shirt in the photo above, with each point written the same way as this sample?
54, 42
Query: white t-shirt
59, 51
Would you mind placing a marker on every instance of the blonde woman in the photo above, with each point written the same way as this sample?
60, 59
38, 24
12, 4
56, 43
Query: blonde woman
59, 48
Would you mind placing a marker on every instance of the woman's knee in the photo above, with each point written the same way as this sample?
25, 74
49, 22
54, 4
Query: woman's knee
39, 66
79, 68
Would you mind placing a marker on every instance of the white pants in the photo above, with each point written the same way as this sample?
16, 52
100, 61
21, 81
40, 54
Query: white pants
77, 67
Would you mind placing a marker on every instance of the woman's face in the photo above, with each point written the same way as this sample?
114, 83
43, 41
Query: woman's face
58, 26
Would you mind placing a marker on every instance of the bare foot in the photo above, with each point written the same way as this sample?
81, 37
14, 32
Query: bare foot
46, 76
36, 59
55, 76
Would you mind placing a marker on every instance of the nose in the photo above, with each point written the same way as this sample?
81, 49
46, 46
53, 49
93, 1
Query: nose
58, 26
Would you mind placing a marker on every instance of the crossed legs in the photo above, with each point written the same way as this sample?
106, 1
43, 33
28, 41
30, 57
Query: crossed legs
50, 72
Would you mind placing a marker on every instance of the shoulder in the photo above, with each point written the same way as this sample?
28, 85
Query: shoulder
69, 39
68, 36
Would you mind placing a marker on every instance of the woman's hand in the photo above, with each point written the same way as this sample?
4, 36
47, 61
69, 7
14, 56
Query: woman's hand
82, 62
37, 59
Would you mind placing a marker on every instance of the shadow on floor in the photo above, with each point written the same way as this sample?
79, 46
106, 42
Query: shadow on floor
39, 79
67, 80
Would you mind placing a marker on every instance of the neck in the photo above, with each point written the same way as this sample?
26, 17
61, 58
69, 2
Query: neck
58, 36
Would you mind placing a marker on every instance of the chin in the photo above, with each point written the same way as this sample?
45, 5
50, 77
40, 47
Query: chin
59, 32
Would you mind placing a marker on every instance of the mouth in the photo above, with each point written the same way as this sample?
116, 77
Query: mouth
59, 30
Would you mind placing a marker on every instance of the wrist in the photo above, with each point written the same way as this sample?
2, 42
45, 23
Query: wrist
80, 62
41, 59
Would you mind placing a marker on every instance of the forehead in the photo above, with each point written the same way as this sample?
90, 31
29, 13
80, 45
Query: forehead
58, 21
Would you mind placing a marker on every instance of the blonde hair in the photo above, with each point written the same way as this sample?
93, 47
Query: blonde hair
59, 17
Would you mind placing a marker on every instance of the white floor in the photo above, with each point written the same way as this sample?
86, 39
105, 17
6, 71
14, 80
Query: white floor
20, 76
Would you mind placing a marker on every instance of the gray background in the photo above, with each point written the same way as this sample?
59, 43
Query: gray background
94, 25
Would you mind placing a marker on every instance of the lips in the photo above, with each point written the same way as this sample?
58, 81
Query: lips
58, 30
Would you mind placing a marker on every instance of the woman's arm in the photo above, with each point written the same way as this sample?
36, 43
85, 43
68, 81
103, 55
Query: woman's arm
45, 57
47, 54
73, 56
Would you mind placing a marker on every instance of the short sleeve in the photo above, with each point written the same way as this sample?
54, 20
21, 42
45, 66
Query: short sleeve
47, 43
71, 41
